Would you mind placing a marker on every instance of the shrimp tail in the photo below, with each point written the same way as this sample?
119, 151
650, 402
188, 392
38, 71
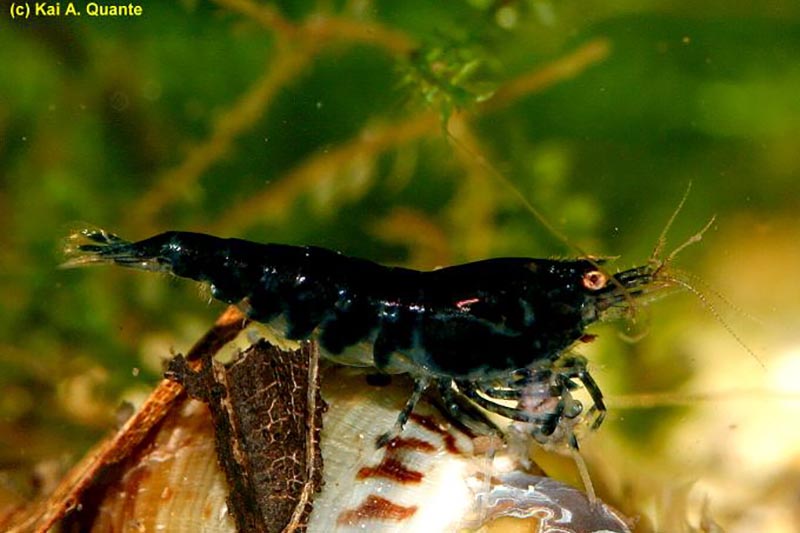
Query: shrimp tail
232, 268
94, 246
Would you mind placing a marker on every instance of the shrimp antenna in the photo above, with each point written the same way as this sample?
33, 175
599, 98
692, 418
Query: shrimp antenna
661, 243
682, 279
697, 237
705, 302
542, 219
697, 280
515, 190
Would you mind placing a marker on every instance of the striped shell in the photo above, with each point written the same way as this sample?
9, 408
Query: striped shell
433, 477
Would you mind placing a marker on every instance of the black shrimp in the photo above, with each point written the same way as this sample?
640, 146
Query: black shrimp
486, 330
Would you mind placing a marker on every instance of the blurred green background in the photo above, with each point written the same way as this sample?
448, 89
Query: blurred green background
406, 132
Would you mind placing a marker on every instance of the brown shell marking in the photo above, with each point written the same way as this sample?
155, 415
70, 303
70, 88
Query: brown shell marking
391, 468
394, 467
411, 443
376, 508
429, 423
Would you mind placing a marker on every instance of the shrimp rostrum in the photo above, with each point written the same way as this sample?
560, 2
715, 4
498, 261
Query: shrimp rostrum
485, 330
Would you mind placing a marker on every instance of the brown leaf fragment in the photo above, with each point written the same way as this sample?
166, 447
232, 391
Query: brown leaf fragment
267, 413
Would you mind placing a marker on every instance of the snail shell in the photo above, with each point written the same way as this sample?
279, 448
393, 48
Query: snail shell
432, 477
172, 483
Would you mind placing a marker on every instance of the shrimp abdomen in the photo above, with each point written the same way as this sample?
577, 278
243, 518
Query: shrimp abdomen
314, 289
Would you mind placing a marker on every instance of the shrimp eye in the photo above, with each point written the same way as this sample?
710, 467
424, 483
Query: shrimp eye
594, 280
